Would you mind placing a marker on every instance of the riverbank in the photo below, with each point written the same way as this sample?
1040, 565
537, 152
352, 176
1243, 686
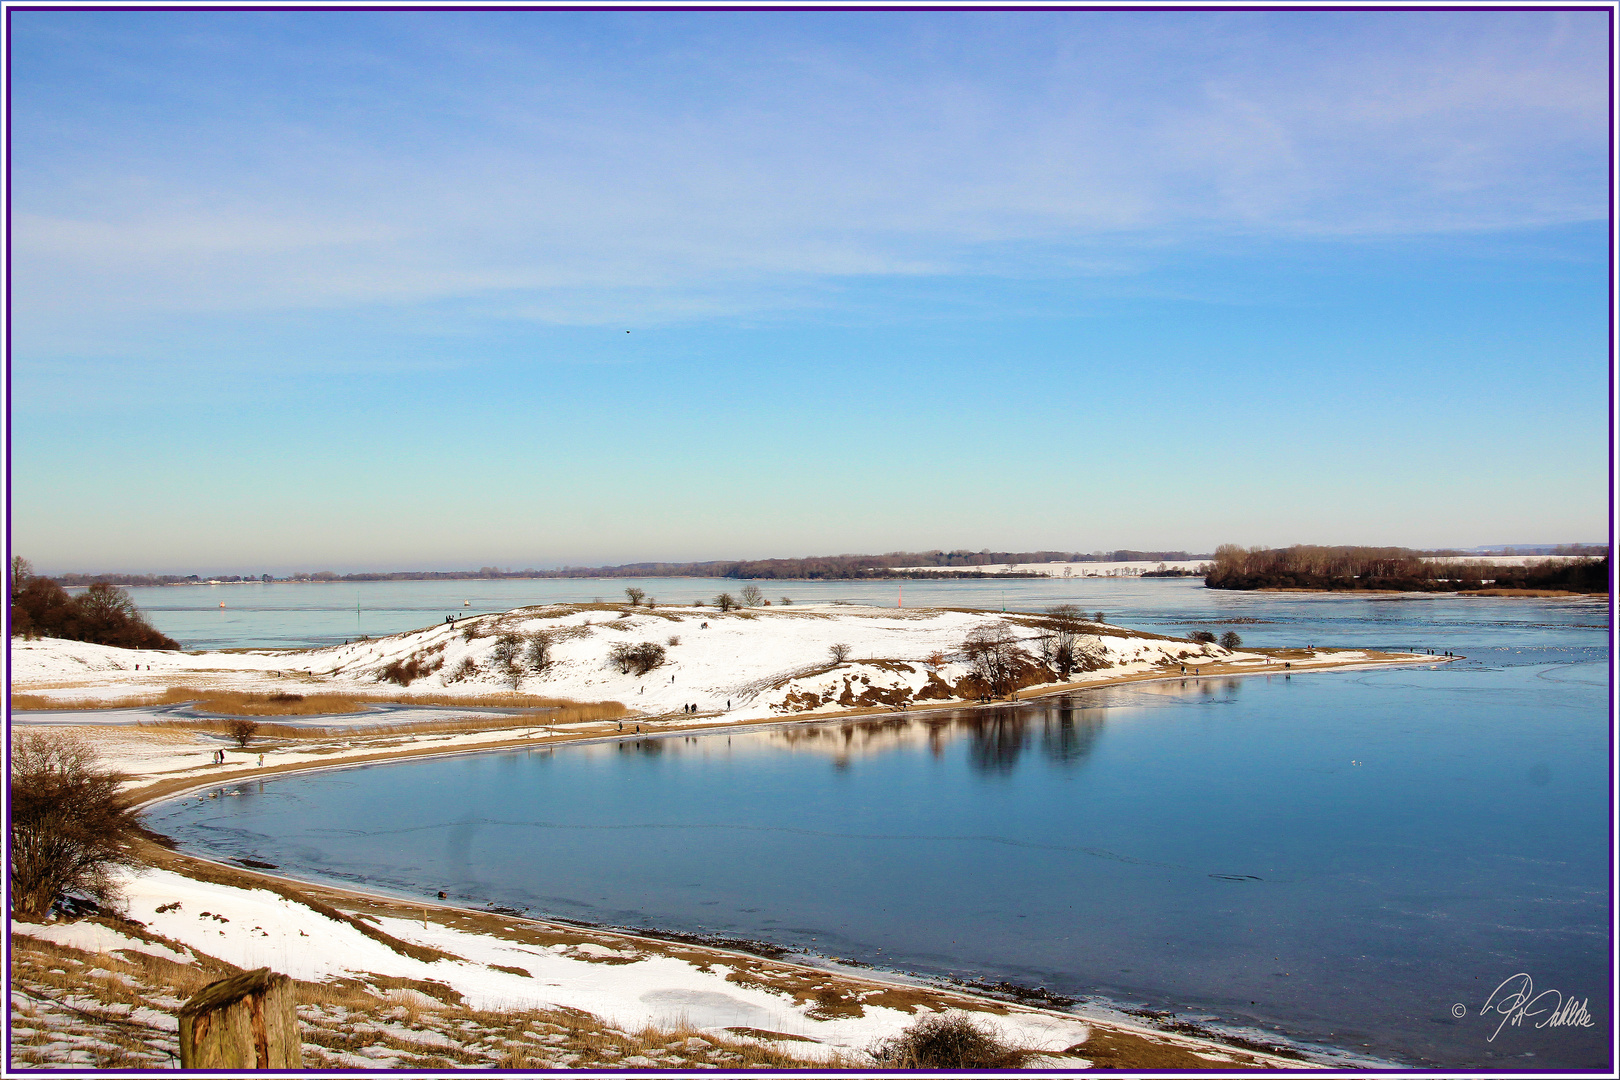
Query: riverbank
630, 994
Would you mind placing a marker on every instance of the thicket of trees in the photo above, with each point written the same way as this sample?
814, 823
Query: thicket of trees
102, 613
1307, 566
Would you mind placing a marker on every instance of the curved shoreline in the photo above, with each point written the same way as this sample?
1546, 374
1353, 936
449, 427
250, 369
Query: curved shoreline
150, 795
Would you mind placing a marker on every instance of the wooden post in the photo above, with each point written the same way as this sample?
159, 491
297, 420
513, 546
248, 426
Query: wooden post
245, 1022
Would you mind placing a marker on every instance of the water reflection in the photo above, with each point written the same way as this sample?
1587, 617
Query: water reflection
1062, 732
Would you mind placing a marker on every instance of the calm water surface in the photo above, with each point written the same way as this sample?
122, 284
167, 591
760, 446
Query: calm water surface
290, 615
1341, 858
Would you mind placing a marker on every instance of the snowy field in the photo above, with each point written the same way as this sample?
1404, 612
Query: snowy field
753, 663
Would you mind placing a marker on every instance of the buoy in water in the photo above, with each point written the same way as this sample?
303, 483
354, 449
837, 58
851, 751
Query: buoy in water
222, 603
464, 603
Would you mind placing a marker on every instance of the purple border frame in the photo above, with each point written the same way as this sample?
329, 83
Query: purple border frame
1614, 717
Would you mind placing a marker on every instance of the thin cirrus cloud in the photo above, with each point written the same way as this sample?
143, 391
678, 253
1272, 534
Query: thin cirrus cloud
710, 164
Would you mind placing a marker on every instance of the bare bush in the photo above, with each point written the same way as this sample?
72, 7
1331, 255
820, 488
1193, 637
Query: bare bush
242, 730
505, 657
752, 596
1231, 640
405, 672
725, 601
947, 1041
1203, 637
787, 600
1099, 617
673, 640
634, 595
1060, 647
464, 670
539, 654
996, 657
839, 652
70, 825
636, 659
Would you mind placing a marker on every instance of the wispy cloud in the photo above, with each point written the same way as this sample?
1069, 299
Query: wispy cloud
215, 163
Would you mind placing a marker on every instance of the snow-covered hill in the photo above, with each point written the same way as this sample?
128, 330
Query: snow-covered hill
754, 662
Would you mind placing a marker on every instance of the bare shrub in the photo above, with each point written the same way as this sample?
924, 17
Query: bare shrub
996, 657
1231, 640
751, 595
539, 654
725, 601
839, 652
464, 670
637, 659
935, 660
634, 595
787, 600
1203, 637
70, 825
242, 730
673, 640
646, 656
1060, 647
1099, 617
505, 657
405, 672
948, 1041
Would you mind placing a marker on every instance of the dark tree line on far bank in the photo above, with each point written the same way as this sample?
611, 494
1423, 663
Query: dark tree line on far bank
101, 614
1308, 566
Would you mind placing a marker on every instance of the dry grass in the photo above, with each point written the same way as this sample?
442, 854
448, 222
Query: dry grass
951, 1041
110, 1010
282, 703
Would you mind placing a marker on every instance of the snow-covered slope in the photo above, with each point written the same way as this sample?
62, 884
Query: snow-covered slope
754, 662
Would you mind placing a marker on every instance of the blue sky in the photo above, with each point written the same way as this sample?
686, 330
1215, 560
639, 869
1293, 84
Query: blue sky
381, 290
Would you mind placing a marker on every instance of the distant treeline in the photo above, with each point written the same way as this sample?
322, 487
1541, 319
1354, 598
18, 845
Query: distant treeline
823, 567
102, 613
1306, 566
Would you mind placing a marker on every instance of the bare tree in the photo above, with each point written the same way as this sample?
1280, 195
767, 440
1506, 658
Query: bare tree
787, 600
70, 824
1203, 637
1230, 640
638, 659
508, 648
539, 654
634, 594
646, 656
725, 601
242, 730
1060, 646
751, 595
839, 652
995, 657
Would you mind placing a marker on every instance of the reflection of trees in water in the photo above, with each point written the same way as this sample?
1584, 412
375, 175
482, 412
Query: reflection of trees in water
997, 738
1067, 733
